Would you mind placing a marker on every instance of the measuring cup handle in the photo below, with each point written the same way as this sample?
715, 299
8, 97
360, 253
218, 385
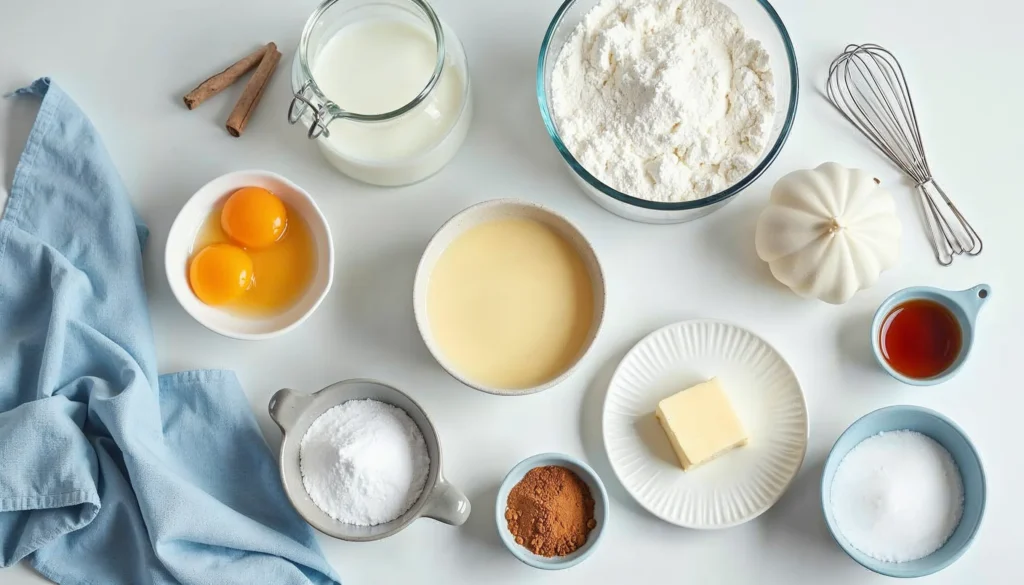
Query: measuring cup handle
447, 504
975, 297
285, 407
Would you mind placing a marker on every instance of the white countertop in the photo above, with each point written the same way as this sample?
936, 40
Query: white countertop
128, 63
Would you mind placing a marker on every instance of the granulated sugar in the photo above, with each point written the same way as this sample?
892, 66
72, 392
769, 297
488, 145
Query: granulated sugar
897, 496
364, 462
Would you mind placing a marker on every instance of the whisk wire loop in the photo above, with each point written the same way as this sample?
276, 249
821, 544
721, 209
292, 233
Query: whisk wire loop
867, 85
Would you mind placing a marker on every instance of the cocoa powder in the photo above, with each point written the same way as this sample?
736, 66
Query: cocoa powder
550, 511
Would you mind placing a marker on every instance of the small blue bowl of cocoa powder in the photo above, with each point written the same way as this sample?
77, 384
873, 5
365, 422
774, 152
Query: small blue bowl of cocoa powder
551, 511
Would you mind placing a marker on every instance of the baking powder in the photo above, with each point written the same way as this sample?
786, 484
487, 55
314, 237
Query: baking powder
897, 496
364, 462
665, 100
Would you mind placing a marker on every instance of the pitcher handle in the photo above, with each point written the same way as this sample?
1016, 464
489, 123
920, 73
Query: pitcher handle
447, 504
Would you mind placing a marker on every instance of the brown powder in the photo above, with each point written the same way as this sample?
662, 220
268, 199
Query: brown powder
550, 511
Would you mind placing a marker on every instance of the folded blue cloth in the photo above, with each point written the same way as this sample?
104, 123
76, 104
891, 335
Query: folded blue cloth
109, 475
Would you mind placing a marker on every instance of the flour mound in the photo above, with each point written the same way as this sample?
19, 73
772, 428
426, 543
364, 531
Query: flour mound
665, 100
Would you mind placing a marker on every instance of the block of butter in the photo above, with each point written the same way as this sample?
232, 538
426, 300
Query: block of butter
700, 423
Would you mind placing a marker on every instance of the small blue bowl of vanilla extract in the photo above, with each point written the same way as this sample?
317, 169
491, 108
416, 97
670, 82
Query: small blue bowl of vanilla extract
923, 335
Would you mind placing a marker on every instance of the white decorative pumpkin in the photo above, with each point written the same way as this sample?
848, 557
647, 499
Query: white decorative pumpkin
828, 232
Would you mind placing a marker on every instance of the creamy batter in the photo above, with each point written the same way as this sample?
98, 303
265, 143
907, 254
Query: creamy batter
510, 304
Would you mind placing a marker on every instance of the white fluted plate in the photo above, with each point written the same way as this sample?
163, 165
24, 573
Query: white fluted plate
739, 485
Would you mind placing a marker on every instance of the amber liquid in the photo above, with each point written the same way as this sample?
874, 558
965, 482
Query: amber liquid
920, 338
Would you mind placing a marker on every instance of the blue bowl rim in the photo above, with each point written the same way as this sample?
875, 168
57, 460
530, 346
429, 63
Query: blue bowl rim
729, 192
984, 489
499, 512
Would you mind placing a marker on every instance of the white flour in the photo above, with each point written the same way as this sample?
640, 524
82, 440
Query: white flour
364, 462
665, 100
897, 496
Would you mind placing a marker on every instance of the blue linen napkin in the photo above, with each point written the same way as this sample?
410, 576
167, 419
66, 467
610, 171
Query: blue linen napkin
110, 475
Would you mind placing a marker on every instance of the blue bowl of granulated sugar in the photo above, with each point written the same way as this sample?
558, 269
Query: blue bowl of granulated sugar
903, 491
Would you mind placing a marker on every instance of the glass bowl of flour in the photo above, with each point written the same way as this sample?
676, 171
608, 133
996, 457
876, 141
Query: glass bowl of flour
664, 110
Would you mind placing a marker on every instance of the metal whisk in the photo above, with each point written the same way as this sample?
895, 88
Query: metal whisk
867, 85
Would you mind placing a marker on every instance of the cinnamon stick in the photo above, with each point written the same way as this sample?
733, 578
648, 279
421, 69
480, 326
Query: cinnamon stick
217, 83
253, 92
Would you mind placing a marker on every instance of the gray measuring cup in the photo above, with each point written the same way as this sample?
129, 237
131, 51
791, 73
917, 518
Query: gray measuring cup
295, 411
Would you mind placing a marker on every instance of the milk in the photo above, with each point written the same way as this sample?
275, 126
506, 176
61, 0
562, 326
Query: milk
377, 66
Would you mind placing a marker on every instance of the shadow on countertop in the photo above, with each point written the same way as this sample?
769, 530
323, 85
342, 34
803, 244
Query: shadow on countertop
480, 527
376, 297
20, 117
797, 516
591, 431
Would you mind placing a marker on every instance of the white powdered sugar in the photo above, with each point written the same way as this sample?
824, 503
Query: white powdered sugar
665, 100
897, 496
364, 462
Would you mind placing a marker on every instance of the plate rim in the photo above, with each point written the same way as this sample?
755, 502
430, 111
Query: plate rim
604, 426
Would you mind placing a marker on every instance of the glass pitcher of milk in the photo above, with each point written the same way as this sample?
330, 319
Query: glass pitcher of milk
382, 86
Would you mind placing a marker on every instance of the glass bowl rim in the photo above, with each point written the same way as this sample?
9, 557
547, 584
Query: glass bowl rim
729, 192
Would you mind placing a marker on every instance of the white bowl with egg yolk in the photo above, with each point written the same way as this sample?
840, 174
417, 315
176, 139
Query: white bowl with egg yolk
196, 211
503, 329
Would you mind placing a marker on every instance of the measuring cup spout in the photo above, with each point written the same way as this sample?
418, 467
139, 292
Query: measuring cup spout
285, 407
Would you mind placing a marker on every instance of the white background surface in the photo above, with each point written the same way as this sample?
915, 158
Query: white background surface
128, 64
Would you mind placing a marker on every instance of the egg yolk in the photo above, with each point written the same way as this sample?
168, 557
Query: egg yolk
254, 217
220, 273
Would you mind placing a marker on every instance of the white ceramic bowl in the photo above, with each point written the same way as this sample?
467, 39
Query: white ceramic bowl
191, 218
490, 211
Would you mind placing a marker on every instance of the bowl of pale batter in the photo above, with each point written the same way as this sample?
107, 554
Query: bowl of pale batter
509, 297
